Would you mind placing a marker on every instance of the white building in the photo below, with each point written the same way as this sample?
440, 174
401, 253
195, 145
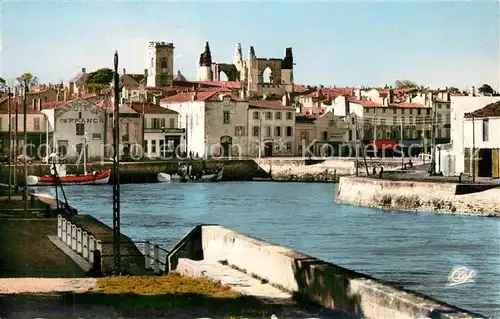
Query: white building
481, 143
455, 156
162, 135
74, 120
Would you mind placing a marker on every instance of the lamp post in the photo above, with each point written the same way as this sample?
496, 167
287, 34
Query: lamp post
24, 81
207, 136
162, 149
116, 171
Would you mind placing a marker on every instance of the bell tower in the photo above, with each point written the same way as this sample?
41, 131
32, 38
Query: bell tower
160, 64
204, 70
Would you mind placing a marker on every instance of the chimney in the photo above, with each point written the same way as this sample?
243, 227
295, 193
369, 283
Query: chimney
347, 106
33, 106
390, 96
146, 72
359, 94
193, 97
65, 95
84, 70
40, 105
473, 91
124, 71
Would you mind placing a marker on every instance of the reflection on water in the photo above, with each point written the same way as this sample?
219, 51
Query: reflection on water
417, 250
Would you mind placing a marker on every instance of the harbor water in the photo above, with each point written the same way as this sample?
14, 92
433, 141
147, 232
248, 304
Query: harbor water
416, 250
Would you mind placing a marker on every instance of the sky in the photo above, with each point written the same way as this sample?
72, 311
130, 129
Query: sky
434, 44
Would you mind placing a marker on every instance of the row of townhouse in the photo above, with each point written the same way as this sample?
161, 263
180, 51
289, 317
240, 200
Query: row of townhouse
66, 126
384, 116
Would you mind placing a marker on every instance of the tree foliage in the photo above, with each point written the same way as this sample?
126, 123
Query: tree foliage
27, 80
96, 87
101, 76
453, 90
486, 89
2, 81
405, 84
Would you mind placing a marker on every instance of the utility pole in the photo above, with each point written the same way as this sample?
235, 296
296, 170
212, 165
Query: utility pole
16, 145
402, 148
357, 147
375, 150
25, 82
434, 125
473, 157
260, 134
10, 144
116, 171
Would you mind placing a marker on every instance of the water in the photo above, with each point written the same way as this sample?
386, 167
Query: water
417, 250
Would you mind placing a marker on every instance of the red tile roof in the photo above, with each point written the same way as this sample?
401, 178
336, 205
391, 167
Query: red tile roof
105, 104
225, 84
53, 104
364, 103
151, 108
409, 105
188, 97
4, 108
266, 104
490, 110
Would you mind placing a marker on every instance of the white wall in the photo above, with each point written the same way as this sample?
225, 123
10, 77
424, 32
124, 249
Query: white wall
459, 106
493, 136
192, 119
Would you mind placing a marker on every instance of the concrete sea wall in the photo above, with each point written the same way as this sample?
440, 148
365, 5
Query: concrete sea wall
481, 200
308, 278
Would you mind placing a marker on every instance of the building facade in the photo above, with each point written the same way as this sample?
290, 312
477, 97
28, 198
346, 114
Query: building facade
162, 136
76, 123
160, 64
37, 128
271, 128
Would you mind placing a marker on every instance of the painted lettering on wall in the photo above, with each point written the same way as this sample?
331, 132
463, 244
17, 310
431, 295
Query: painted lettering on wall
82, 121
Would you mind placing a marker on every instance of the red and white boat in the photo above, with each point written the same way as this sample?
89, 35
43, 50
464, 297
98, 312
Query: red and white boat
96, 178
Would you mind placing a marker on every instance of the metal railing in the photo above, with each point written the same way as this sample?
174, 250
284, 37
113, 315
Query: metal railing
81, 242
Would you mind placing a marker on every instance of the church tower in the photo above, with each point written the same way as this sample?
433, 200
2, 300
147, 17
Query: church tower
287, 70
204, 69
160, 64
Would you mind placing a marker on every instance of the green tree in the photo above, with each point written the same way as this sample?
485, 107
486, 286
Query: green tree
405, 84
2, 81
453, 90
486, 89
101, 76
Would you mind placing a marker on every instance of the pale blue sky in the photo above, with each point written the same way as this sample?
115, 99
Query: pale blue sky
336, 43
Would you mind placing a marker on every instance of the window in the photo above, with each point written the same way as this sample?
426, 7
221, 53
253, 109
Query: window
419, 111
153, 147
36, 124
171, 123
162, 148
289, 115
289, 131
394, 111
155, 124
267, 131
439, 118
439, 133
428, 111
225, 117
485, 130
278, 115
79, 115
288, 146
96, 136
383, 110
402, 111
80, 129
256, 115
255, 130
325, 136
269, 116
125, 129
239, 130
411, 111
277, 131
350, 135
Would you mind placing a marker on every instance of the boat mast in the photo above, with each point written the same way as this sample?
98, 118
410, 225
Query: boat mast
85, 155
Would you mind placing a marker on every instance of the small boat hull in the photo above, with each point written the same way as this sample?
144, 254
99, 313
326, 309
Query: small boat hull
97, 178
164, 178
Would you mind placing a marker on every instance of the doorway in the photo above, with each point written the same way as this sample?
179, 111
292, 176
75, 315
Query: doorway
268, 149
226, 143
485, 162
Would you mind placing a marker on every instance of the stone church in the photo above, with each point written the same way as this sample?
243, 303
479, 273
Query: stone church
250, 72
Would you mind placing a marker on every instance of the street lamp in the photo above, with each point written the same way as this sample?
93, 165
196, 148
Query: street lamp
24, 81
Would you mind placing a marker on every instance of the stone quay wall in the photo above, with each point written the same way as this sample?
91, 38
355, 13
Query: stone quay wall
453, 198
307, 278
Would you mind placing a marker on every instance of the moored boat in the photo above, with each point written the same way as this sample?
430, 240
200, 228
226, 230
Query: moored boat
96, 178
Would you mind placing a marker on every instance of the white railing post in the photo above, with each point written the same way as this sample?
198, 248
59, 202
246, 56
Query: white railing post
157, 258
79, 247
68, 233
63, 230
73, 237
91, 248
85, 244
59, 226
147, 254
